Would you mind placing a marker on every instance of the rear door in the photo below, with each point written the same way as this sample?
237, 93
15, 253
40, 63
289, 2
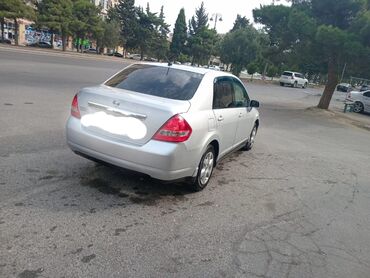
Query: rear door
225, 113
245, 118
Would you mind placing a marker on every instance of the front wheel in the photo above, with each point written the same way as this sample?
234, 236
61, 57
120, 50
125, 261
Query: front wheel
205, 169
358, 107
305, 85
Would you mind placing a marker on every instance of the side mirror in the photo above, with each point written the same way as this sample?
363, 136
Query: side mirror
254, 103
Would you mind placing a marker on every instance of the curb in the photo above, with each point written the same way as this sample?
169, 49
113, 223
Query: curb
342, 116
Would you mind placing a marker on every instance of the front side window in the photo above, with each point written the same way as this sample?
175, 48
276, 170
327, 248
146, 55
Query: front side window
158, 81
223, 93
367, 94
241, 98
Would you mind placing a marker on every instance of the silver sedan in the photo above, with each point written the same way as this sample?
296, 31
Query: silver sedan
167, 121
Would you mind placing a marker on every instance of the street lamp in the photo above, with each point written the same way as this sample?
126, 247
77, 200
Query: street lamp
216, 17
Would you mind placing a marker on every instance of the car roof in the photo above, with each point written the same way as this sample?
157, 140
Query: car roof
199, 70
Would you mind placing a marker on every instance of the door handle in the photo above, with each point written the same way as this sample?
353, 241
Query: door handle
220, 118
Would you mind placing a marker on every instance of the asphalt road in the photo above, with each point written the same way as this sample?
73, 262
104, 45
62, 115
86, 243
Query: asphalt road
297, 205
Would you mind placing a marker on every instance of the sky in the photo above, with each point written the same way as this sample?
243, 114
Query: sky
228, 9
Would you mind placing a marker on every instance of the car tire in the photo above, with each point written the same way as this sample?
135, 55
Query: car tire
358, 107
281, 84
305, 85
205, 169
252, 137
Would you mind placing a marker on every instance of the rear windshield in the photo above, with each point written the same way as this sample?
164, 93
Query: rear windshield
158, 81
287, 73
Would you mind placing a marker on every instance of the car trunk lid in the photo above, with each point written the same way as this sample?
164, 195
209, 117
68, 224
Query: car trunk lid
126, 116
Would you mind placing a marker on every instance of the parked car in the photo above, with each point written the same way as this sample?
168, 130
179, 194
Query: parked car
150, 59
135, 57
7, 41
293, 79
167, 121
365, 87
344, 87
90, 51
40, 44
361, 101
115, 54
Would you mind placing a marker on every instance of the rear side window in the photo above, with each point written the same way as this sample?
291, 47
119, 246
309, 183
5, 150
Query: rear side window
223, 93
367, 94
287, 73
158, 81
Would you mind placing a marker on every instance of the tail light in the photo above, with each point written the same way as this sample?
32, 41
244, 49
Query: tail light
175, 130
75, 111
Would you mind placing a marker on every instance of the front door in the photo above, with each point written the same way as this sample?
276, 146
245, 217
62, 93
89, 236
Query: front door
245, 118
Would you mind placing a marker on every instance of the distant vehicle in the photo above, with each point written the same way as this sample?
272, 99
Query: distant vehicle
40, 44
90, 50
150, 59
115, 54
169, 122
344, 87
293, 79
365, 87
135, 57
7, 41
214, 67
361, 101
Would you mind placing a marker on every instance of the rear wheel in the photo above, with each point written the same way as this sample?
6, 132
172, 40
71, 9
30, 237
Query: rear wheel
205, 169
252, 137
358, 107
282, 84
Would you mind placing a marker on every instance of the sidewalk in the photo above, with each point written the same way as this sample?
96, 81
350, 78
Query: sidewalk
58, 53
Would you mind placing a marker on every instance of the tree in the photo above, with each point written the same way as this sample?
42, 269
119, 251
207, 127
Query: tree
56, 15
15, 9
240, 23
201, 40
316, 36
239, 48
178, 44
127, 13
199, 21
86, 21
160, 44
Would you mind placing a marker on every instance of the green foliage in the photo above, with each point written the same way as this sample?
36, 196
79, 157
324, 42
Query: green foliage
86, 19
199, 21
178, 44
55, 15
15, 9
143, 30
318, 37
240, 47
202, 41
240, 23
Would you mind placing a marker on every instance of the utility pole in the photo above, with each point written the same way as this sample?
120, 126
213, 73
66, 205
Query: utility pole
216, 17
343, 71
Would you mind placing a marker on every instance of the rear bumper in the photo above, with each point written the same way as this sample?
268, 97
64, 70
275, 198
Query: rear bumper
287, 81
160, 160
